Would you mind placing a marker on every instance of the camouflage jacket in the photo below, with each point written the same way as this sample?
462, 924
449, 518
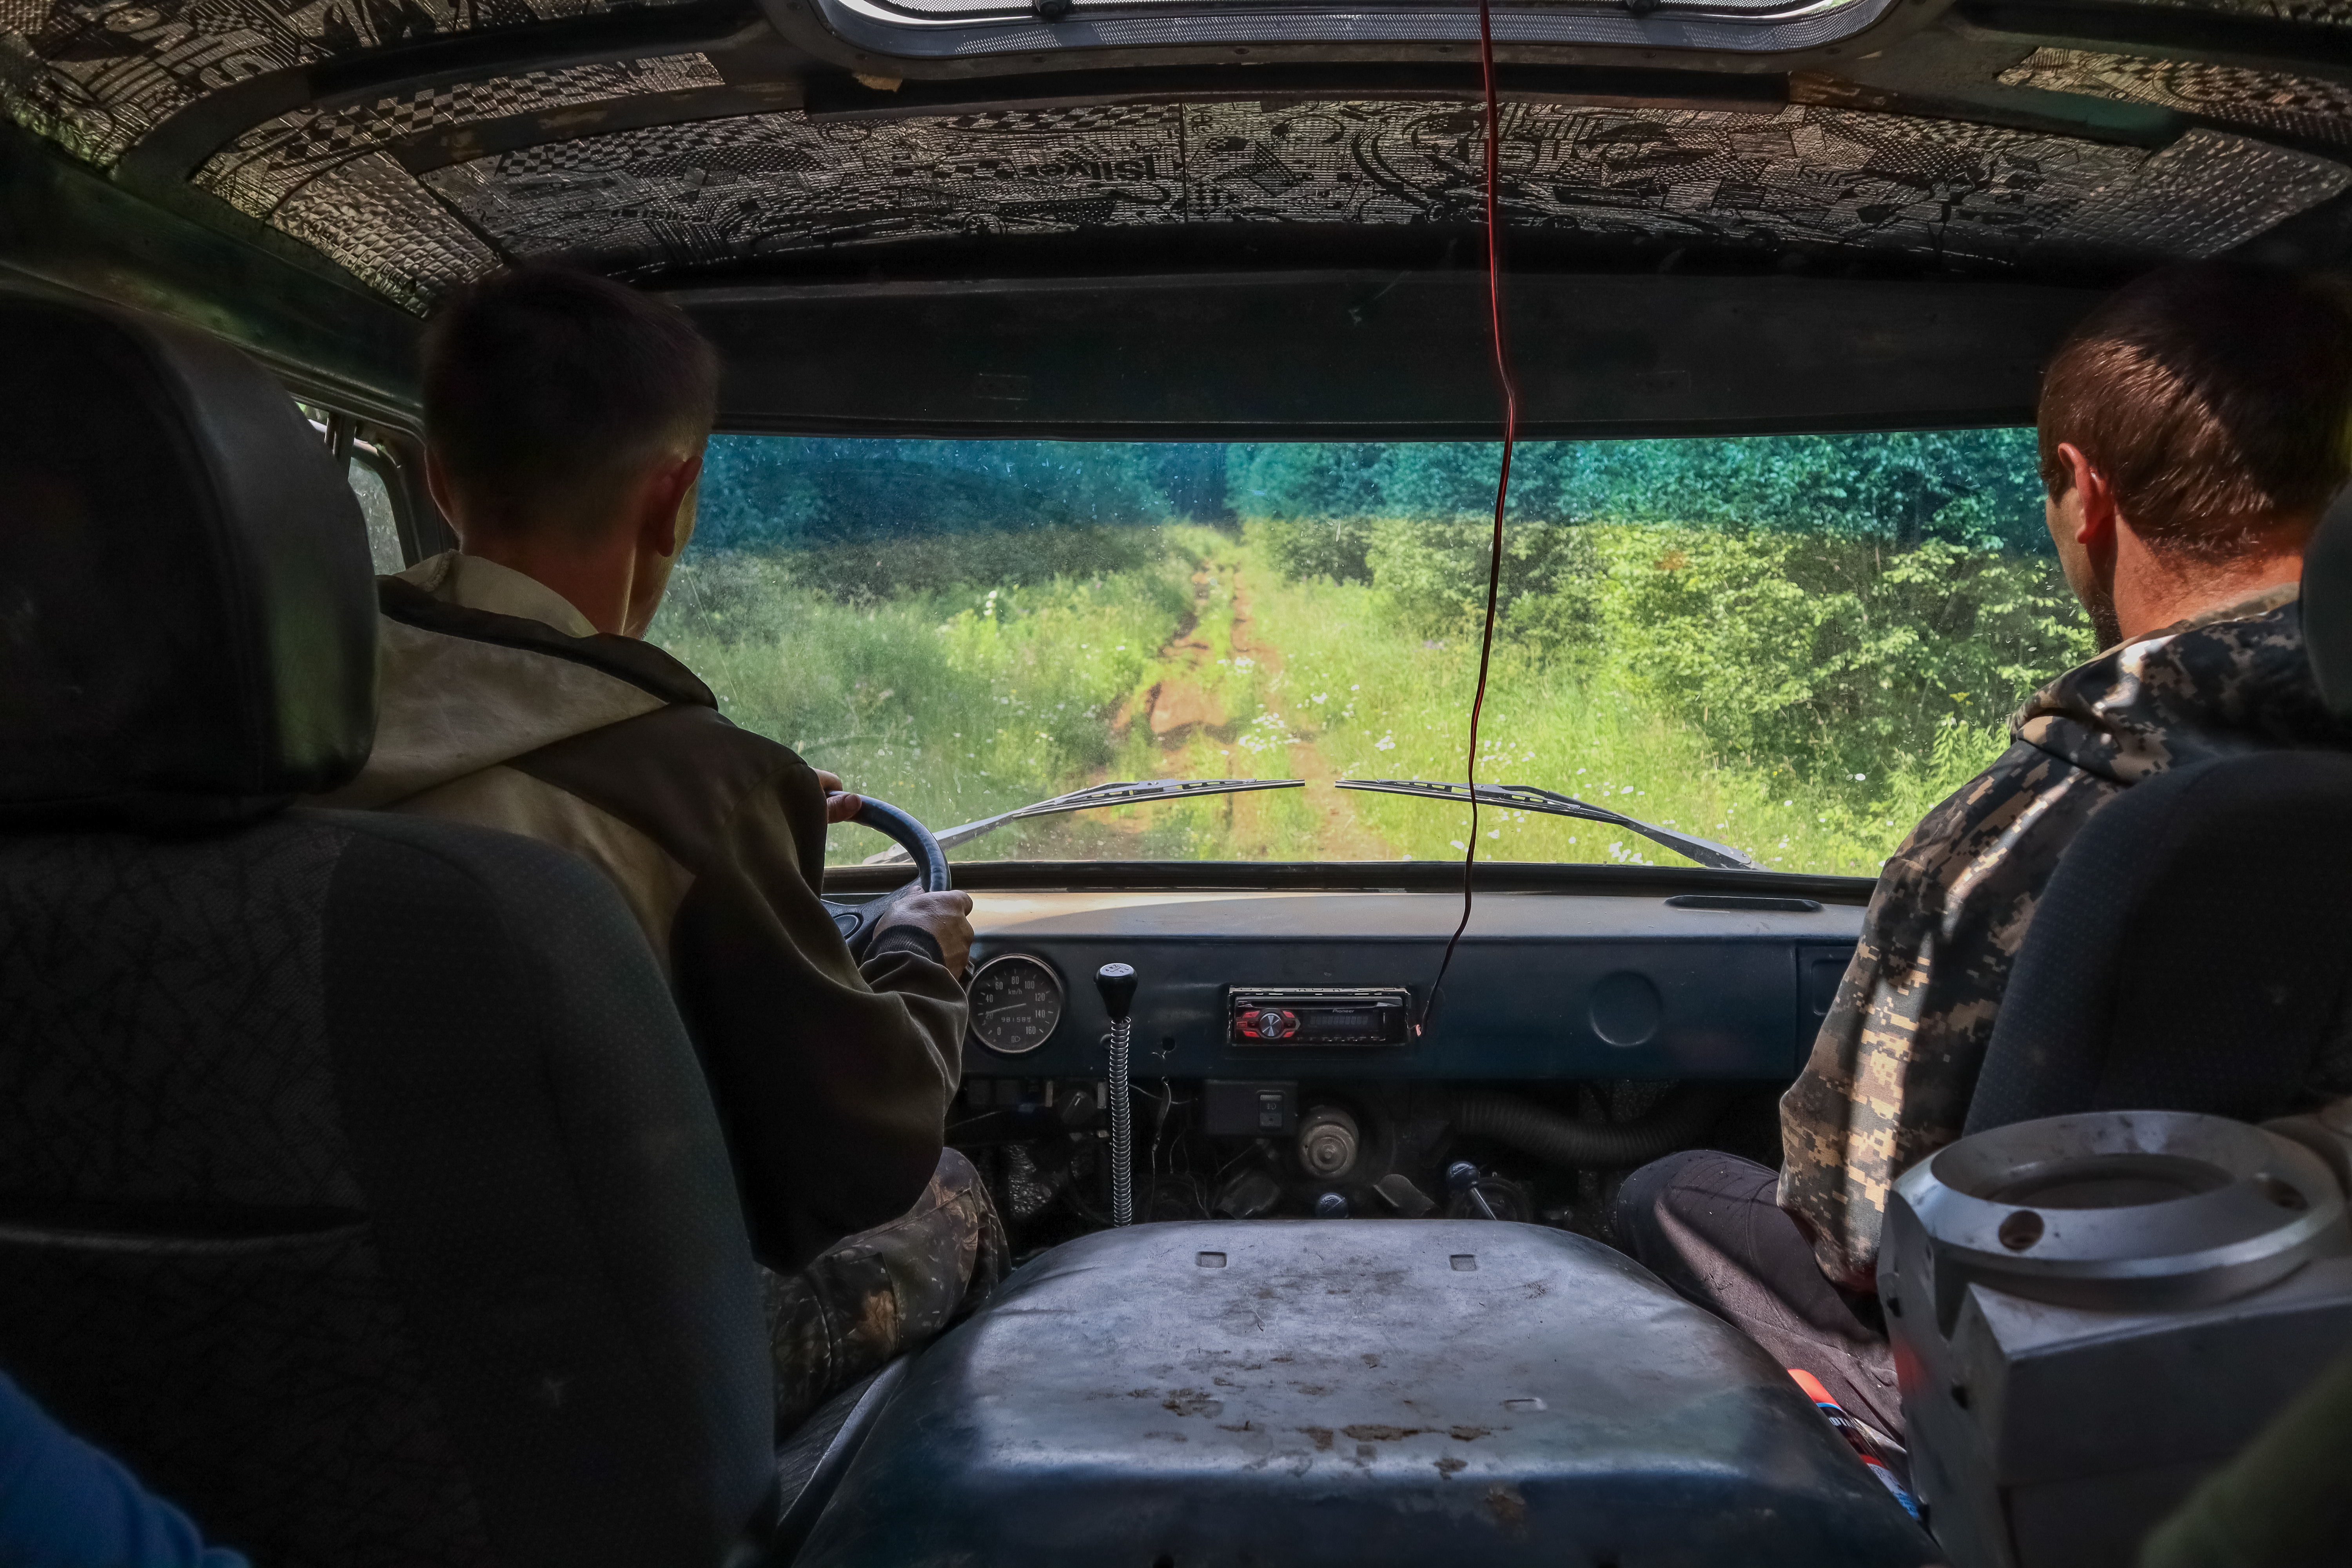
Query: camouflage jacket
1892, 1072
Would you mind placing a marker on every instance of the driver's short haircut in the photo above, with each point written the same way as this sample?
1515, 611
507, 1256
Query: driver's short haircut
2212, 397
546, 387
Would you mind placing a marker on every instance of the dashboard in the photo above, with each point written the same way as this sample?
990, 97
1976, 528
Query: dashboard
1288, 984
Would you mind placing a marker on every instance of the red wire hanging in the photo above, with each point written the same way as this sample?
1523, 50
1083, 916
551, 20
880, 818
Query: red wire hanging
1502, 481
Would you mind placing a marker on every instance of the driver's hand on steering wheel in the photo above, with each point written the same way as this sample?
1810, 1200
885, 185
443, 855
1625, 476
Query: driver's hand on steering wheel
945, 915
840, 806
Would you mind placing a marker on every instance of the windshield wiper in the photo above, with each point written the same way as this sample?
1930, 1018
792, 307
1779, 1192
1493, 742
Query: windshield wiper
1527, 797
1130, 793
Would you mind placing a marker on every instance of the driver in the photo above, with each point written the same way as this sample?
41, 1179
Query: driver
566, 419
2193, 429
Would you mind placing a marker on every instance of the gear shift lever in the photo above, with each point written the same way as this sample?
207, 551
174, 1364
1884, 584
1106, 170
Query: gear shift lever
1117, 983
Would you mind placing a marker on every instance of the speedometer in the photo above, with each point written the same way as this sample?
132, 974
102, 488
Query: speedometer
1016, 1000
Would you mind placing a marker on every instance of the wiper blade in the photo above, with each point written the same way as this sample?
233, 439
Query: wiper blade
1527, 797
1130, 792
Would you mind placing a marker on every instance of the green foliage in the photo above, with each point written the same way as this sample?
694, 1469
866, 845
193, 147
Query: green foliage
1793, 643
1827, 652
1434, 575
1971, 488
1374, 700
951, 705
1975, 487
1331, 548
1822, 602
869, 519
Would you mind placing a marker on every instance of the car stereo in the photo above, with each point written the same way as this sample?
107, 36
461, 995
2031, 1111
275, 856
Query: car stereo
1317, 1015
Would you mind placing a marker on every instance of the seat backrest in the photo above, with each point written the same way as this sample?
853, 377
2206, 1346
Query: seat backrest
358, 1183
2193, 949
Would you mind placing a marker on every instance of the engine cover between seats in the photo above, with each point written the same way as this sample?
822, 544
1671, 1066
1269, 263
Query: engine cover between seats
1351, 1392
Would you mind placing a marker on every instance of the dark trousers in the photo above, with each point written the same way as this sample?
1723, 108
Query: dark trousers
1706, 1223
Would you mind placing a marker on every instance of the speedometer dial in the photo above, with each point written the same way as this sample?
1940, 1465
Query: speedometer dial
1016, 1000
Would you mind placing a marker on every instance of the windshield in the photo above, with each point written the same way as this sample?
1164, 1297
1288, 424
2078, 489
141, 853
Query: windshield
1790, 645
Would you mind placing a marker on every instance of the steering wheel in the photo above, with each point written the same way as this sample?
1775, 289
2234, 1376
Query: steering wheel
856, 923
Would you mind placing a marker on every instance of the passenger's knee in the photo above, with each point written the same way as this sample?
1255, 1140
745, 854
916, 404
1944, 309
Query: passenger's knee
1673, 1185
1644, 1192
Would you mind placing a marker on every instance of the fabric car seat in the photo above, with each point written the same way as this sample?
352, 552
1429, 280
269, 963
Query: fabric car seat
358, 1185
2193, 951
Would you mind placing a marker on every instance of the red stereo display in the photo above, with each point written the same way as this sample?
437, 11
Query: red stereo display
1317, 1015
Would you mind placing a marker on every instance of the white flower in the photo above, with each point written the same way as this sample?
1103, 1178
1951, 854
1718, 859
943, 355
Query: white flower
1265, 731
1860, 778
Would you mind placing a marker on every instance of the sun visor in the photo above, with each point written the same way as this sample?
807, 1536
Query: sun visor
1111, 30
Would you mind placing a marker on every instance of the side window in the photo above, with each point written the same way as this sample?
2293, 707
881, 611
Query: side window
375, 505
373, 476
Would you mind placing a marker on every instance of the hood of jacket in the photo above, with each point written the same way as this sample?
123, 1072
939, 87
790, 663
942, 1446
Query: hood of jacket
478, 665
2226, 683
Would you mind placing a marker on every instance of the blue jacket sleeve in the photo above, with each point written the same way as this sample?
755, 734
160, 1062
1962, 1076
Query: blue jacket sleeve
64, 1504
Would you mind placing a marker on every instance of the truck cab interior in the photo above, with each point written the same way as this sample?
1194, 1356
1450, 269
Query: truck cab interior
1109, 425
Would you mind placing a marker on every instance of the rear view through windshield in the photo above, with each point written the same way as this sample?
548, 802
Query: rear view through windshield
1790, 644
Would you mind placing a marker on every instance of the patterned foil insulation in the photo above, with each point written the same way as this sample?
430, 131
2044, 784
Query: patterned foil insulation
773, 184
268, 162
372, 216
2310, 13
2264, 102
95, 76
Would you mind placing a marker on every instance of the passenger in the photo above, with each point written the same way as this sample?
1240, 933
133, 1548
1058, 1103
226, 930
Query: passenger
2192, 430
565, 421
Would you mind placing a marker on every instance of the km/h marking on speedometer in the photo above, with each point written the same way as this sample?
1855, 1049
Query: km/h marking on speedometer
1017, 1001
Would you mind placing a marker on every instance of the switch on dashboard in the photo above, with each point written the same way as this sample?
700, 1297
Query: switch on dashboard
1231, 1109
1824, 968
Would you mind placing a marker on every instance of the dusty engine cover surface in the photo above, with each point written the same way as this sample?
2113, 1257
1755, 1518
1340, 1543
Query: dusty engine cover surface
1352, 1392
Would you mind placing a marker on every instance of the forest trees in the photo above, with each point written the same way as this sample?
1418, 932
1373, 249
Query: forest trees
1819, 602
1814, 602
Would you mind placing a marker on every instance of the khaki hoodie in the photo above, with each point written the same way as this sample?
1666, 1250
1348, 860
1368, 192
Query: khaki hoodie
502, 706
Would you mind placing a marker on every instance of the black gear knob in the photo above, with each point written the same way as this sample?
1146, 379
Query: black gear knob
1117, 983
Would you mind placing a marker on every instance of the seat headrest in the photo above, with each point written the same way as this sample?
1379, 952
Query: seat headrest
2327, 603
187, 616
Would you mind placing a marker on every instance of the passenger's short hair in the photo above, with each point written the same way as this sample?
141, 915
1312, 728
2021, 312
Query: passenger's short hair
544, 385
2211, 396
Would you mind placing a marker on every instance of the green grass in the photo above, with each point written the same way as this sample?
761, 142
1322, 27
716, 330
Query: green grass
1378, 703
957, 703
